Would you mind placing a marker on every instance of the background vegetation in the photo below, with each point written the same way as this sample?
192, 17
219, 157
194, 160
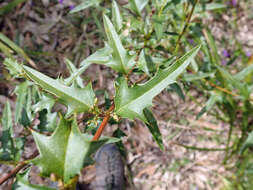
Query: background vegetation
205, 119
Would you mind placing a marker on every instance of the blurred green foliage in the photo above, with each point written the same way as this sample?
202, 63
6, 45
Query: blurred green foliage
147, 39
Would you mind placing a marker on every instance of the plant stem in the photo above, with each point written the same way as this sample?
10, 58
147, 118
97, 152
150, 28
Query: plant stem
228, 142
200, 149
185, 26
103, 124
19, 167
13, 172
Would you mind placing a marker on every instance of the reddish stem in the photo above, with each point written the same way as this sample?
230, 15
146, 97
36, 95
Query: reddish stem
13, 172
103, 124
19, 167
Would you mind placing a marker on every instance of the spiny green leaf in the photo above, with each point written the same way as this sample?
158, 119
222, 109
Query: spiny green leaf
65, 152
11, 148
176, 88
45, 102
150, 63
130, 102
231, 80
248, 143
142, 64
198, 76
85, 4
22, 183
137, 5
213, 99
24, 119
121, 61
73, 70
21, 91
15, 47
14, 68
52, 150
244, 73
6, 118
101, 56
6, 50
159, 25
116, 18
7, 143
212, 47
146, 63
203, 7
77, 100
153, 127
51, 121
75, 76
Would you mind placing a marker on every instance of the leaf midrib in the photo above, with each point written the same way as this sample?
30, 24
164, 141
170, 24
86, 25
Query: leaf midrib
184, 58
145, 93
56, 89
108, 22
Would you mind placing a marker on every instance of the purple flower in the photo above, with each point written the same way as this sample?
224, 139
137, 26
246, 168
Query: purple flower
31, 3
191, 41
60, 1
234, 2
225, 53
223, 62
71, 7
248, 54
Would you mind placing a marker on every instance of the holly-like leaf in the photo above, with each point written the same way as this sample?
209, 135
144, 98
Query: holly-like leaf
145, 63
15, 47
24, 119
45, 102
6, 50
198, 76
121, 61
6, 119
101, 56
247, 71
77, 99
44, 108
22, 183
142, 63
65, 152
7, 143
203, 7
153, 127
231, 80
21, 91
116, 18
158, 21
248, 143
14, 68
11, 148
77, 80
130, 102
174, 87
85, 4
137, 5
51, 121
75, 75
215, 97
